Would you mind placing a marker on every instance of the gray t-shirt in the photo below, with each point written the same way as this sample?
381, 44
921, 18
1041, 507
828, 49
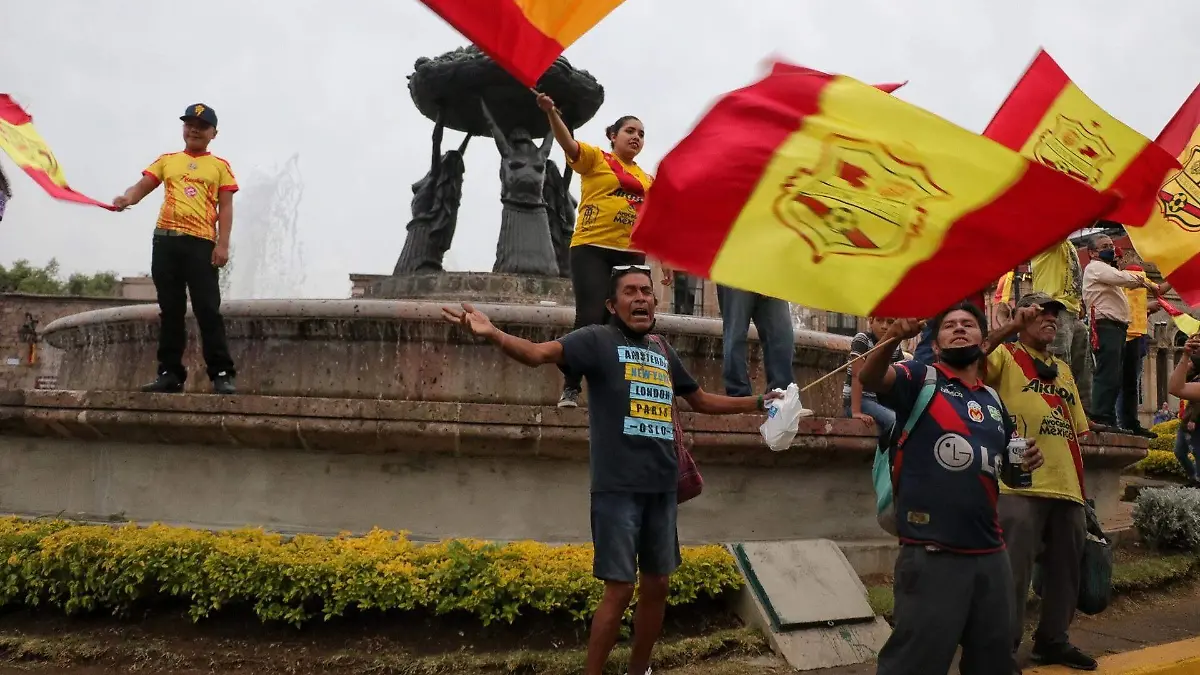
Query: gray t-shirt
631, 386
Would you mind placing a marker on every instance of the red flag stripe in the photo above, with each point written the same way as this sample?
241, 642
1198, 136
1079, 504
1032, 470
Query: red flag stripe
1186, 280
1042, 83
706, 223
12, 113
1178, 133
504, 33
61, 192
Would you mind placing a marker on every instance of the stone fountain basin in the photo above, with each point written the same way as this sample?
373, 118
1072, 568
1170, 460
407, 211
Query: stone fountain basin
436, 469
390, 349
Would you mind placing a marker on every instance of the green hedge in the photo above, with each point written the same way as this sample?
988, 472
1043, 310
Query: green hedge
84, 568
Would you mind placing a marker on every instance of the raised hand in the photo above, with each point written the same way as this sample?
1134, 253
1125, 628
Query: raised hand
1192, 346
1024, 315
545, 103
905, 329
471, 320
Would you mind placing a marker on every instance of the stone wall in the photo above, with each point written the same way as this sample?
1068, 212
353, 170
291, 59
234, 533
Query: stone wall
17, 369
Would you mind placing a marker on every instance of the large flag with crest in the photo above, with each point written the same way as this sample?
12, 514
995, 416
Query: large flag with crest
1049, 119
1171, 236
830, 193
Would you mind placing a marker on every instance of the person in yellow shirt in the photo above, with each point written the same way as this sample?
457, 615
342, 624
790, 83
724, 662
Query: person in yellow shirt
191, 244
1057, 273
1140, 308
612, 189
1047, 518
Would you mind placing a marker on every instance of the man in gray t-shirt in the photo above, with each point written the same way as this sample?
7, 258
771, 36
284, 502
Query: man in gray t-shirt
632, 380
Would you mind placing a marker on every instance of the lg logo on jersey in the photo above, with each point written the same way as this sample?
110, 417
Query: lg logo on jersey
955, 453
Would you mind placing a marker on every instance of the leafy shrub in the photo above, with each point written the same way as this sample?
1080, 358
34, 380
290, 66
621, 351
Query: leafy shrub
1160, 463
83, 568
1165, 428
1169, 518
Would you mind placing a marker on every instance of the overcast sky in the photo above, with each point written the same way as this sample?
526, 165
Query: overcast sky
106, 81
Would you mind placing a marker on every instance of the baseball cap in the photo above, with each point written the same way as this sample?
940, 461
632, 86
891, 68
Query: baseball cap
199, 111
1043, 299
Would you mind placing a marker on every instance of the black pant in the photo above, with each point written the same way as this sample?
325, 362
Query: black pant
943, 600
1131, 358
181, 265
1106, 376
591, 273
1052, 532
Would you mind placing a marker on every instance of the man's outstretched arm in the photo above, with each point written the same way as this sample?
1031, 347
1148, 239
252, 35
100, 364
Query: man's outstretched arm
532, 354
716, 404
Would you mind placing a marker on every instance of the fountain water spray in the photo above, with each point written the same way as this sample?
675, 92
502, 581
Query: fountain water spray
266, 256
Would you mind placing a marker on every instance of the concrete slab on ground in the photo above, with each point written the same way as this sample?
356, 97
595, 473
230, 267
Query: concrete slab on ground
808, 601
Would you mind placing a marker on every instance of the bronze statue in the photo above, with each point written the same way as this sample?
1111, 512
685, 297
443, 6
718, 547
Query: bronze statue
561, 206
435, 202
525, 245
467, 91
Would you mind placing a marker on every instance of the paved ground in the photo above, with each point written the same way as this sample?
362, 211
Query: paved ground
1134, 623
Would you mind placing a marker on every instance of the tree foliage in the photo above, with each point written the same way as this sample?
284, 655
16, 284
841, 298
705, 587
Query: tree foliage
22, 277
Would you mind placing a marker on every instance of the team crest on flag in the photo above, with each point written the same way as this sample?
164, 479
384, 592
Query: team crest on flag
1074, 150
858, 199
1179, 198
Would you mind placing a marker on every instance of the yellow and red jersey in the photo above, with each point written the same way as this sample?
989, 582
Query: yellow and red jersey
192, 183
611, 192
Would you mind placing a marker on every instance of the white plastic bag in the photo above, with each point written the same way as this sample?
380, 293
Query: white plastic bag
783, 419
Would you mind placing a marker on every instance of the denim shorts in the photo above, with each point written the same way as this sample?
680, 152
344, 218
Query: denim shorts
634, 531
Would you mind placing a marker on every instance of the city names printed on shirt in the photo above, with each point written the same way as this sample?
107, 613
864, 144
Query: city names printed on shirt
650, 393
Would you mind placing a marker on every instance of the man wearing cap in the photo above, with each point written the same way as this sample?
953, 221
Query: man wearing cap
191, 244
1047, 518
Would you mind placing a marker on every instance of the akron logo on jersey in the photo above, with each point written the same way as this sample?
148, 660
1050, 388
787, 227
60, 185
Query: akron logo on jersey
954, 452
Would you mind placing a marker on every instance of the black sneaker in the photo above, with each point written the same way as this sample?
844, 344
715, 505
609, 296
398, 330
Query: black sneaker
223, 384
569, 398
1065, 654
165, 383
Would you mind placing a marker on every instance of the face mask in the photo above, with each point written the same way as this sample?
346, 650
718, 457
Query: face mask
961, 357
1108, 255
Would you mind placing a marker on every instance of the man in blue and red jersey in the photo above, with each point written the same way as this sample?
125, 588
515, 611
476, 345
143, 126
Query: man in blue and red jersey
953, 583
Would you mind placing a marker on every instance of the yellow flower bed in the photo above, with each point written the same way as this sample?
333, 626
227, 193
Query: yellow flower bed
81, 568
1160, 461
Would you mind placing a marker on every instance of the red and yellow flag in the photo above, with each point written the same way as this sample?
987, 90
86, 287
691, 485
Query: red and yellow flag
25, 146
1171, 236
1049, 119
523, 36
1186, 323
831, 193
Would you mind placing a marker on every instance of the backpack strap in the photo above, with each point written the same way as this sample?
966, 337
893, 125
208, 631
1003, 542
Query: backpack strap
927, 391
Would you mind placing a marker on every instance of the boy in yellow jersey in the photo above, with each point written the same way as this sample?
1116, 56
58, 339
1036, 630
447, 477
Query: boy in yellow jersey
191, 244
